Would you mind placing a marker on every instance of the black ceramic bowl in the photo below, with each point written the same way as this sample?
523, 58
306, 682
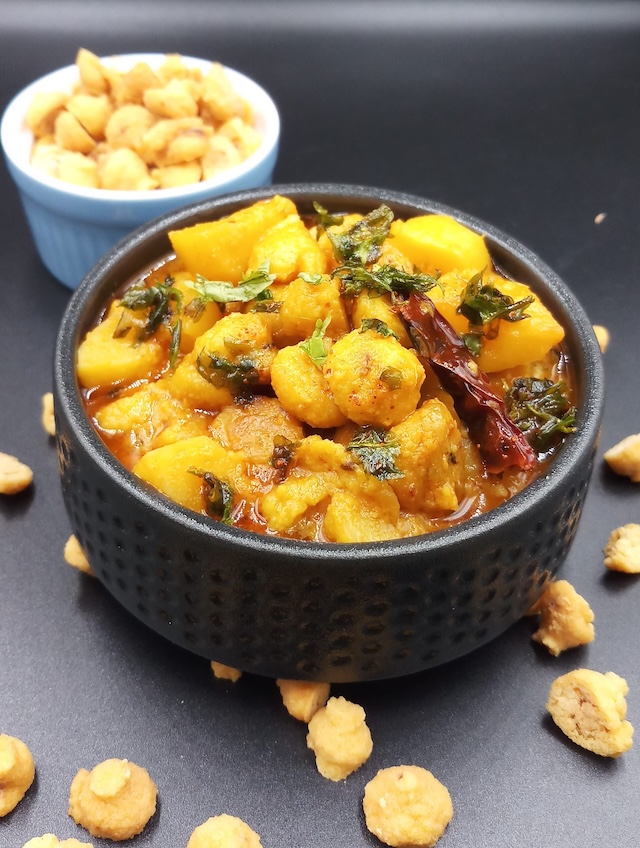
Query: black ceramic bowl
309, 610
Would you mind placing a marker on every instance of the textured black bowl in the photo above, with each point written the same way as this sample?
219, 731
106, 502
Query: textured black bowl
309, 610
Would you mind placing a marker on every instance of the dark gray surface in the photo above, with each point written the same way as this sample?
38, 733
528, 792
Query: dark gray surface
522, 114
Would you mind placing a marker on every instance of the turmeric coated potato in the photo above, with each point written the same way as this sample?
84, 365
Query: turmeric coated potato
289, 250
220, 250
439, 243
373, 379
106, 358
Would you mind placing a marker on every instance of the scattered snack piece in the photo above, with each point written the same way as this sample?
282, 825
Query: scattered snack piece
14, 475
48, 419
75, 556
407, 806
599, 217
115, 800
566, 619
590, 708
17, 771
51, 841
224, 832
602, 335
340, 738
624, 458
303, 698
225, 672
622, 552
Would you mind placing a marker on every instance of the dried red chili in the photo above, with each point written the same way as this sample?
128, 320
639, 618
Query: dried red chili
499, 440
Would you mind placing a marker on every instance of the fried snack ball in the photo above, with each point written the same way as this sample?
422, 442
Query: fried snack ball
624, 458
339, 737
566, 619
225, 672
76, 557
602, 335
407, 807
127, 126
70, 134
92, 73
17, 771
51, 841
92, 111
43, 111
218, 96
124, 170
622, 551
14, 475
373, 379
302, 304
48, 418
303, 390
224, 832
78, 169
430, 459
303, 698
590, 708
115, 800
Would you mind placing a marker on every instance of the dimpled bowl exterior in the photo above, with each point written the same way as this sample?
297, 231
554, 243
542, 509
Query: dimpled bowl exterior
309, 610
73, 226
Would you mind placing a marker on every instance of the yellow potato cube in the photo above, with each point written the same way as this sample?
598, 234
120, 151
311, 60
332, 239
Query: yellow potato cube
166, 469
517, 342
289, 249
104, 360
438, 243
220, 250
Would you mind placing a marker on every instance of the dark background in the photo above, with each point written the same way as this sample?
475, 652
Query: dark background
524, 114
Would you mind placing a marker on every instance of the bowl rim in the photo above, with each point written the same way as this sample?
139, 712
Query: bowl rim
93, 292
13, 133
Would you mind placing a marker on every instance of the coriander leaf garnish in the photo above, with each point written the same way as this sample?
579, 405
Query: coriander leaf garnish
174, 347
326, 219
377, 451
377, 326
250, 286
473, 342
313, 279
362, 241
380, 279
314, 346
218, 494
483, 305
160, 301
224, 374
541, 409
392, 377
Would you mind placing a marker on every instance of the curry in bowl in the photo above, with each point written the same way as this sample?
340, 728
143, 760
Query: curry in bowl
335, 378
